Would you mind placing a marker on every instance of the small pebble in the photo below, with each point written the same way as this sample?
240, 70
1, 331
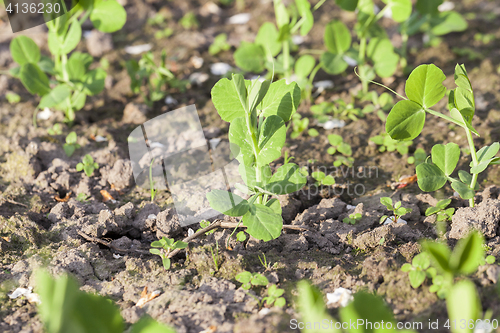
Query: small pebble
239, 18
138, 49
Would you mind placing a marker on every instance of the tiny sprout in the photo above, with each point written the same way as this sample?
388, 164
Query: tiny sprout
442, 213
57, 130
275, 296
167, 244
82, 197
248, 280
87, 165
322, 179
490, 259
204, 224
419, 269
353, 218
70, 146
397, 210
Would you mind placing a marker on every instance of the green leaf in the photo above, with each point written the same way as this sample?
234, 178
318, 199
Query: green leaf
432, 210
227, 203
368, 307
463, 302
349, 5
271, 140
282, 99
88, 169
250, 57
240, 139
463, 190
487, 152
312, 307
55, 96
166, 263
421, 261
179, 245
108, 16
304, 9
335, 140
328, 180
467, 254
386, 201
318, 175
446, 157
227, 100
149, 325
267, 37
425, 85
401, 9
24, 50
78, 65
287, 179
337, 37
244, 277
461, 118
259, 280
72, 38
406, 267
262, 222
94, 81
256, 90
281, 13
280, 302
405, 121
428, 6
439, 254
34, 80
333, 63
381, 51
240, 236
416, 278
304, 66
446, 22
155, 251
430, 177
106, 317
490, 259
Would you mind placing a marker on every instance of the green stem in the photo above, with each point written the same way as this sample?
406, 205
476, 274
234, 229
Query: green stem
474, 162
303, 19
64, 60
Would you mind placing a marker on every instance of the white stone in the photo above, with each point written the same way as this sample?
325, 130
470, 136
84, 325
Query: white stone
220, 68
340, 296
138, 49
239, 18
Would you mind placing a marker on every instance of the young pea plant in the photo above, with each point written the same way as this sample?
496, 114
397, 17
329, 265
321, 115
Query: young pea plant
256, 279
216, 256
87, 165
442, 213
219, 44
155, 77
271, 49
56, 129
352, 218
396, 209
419, 269
377, 56
322, 179
338, 145
424, 89
70, 146
465, 258
248, 280
71, 79
166, 245
274, 297
257, 112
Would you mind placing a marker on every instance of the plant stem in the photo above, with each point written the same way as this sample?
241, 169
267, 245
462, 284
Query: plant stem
474, 161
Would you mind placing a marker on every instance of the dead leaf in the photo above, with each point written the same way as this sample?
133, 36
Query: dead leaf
211, 329
65, 199
106, 196
145, 297
6, 238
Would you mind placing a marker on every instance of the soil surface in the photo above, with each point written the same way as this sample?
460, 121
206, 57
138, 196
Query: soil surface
37, 230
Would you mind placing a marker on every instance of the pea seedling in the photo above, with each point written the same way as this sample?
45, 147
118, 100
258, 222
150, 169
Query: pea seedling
87, 165
248, 280
352, 218
322, 179
155, 76
219, 44
396, 209
257, 112
442, 213
275, 296
82, 197
467, 255
419, 269
75, 81
272, 45
204, 224
338, 145
56, 129
70, 146
424, 89
167, 245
